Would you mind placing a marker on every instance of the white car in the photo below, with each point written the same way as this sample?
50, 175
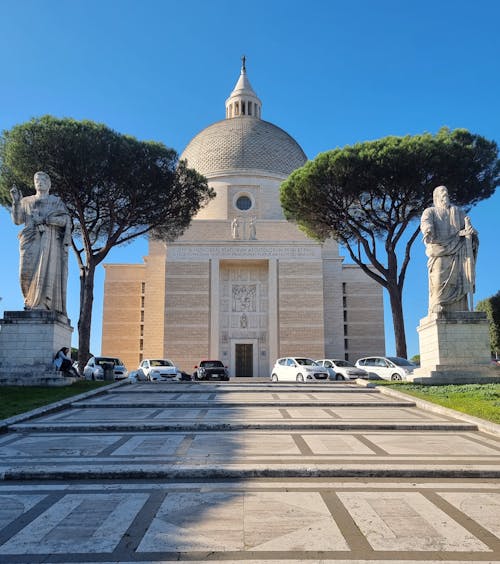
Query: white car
298, 369
158, 369
342, 369
94, 369
386, 367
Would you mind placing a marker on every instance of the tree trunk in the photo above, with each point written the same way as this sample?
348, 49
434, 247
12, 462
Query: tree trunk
84, 323
395, 296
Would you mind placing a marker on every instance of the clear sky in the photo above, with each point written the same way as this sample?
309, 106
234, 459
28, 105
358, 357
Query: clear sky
329, 72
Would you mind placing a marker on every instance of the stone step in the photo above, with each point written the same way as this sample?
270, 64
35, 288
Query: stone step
222, 403
245, 471
222, 425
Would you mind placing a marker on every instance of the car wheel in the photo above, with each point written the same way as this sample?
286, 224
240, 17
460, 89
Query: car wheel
274, 378
396, 377
300, 378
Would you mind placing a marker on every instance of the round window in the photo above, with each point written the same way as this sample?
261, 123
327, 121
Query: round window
243, 203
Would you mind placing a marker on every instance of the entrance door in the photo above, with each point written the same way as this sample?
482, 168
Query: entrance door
244, 359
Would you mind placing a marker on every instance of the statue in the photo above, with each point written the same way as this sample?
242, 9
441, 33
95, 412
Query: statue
253, 229
451, 245
235, 228
43, 246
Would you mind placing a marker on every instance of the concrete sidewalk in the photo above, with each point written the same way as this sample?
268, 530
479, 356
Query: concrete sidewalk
248, 471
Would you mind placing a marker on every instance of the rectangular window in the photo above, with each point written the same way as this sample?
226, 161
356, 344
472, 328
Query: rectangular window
345, 330
143, 287
344, 302
242, 108
142, 330
142, 316
346, 344
345, 316
344, 288
142, 301
141, 344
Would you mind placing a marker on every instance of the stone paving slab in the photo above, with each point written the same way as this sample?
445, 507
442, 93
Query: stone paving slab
252, 521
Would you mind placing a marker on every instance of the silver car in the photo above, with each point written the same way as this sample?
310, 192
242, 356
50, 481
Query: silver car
342, 369
386, 367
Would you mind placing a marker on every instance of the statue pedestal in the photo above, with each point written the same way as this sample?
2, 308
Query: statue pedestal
28, 343
454, 349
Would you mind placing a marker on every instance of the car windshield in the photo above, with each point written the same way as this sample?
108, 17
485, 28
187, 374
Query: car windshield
114, 361
306, 362
160, 363
343, 363
400, 361
211, 364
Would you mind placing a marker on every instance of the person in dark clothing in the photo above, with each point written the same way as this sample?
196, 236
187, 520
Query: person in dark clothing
63, 363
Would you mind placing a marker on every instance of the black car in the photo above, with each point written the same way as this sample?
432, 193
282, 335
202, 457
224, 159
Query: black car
211, 370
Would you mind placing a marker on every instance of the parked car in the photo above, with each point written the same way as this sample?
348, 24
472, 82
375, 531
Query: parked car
339, 369
386, 367
158, 369
94, 368
298, 369
211, 370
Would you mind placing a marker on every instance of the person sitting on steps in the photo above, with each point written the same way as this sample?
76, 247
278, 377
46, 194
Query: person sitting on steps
63, 363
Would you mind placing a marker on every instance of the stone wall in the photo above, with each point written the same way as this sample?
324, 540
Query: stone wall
123, 312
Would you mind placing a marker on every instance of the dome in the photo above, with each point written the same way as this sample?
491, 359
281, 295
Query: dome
243, 143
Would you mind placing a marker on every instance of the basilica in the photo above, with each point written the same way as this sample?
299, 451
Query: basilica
242, 284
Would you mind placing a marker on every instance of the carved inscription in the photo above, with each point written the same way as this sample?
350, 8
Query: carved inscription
206, 252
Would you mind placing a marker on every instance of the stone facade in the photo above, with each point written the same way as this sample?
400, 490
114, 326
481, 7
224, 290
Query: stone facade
248, 294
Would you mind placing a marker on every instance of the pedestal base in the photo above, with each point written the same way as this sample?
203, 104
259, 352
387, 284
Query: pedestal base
454, 349
28, 343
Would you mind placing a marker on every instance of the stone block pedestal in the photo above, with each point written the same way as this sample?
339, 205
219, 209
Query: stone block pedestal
454, 348
28, 343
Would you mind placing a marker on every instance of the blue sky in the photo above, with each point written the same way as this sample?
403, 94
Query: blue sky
329, 72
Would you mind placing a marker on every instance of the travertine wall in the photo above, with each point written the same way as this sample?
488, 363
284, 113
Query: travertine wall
301, 323
121, 323
187, 321
154, 302
333, 312
363, 314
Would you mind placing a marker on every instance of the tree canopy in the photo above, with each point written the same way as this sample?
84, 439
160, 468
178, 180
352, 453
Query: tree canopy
115, 187
491, 306
367, 195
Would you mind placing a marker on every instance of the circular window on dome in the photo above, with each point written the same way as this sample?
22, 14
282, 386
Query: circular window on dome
243, 203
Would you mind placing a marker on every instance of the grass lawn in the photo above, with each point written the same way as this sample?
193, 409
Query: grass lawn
480, 400
18, 399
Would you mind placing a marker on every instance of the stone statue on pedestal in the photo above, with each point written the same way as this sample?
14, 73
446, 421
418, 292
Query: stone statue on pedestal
43, 245
451, 245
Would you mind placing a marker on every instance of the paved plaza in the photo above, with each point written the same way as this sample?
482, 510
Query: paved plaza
248, 472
